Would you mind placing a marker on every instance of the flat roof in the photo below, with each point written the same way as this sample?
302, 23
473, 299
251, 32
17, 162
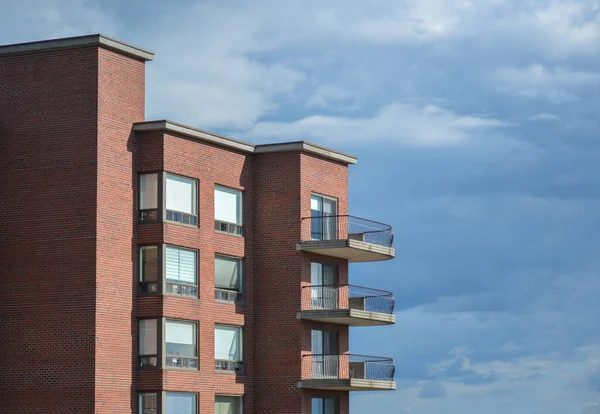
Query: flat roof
98, 40
223, 141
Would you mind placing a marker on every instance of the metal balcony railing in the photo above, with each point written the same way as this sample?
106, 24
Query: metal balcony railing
334, 297
346, 227
347, 366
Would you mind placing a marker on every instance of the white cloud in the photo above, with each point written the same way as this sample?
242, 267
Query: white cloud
543, 117
557, 85
400, 123
332, 97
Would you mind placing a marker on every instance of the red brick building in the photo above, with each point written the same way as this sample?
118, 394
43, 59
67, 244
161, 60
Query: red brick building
150, 267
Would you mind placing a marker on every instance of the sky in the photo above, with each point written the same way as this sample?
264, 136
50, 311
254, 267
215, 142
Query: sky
477, 131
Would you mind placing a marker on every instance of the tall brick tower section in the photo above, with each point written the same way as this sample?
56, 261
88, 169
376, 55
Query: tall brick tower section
67, 214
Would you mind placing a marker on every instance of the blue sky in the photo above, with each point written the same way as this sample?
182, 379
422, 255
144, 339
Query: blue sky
476, 125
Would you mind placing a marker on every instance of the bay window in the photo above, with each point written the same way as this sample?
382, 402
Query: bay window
228, 210
180, 344
168, 197
167, 343
168, 269
228, 348
181, 271
148, 343
228, 279
181, 199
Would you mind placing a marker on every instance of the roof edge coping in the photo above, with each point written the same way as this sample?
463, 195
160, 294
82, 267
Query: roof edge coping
99, 40
211, 137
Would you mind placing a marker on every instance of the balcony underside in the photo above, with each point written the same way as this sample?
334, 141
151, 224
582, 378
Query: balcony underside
350, 317
349, 249
353, 384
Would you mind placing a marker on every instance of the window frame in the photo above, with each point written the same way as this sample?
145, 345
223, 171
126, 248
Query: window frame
239, 294
239, 370
336, 404
241, 398
231, 228
336, 224
161, 215
162, 269
161, 346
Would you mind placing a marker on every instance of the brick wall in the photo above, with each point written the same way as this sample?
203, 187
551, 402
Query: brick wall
120, 104
48, 128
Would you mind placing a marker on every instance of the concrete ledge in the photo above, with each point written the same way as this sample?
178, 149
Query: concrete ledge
198, 134
77, 42
350, 249
223, 141
307, 147
350, 317
347, 385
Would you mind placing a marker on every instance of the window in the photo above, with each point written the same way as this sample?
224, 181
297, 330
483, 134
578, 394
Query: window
177, 341
149, 269
228, 210
325, 359
180, 403
181, 200
323, 211
226, 404
324, 406
148, 403
169, 197
228, 348
228, 279
324, 289
148, 343
149, 197
181, 271
180, 344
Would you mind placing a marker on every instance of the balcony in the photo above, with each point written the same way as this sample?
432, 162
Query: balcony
347, 305
347, 237
347, 372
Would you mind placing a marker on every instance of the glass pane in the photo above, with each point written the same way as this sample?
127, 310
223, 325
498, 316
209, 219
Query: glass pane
181, 194
149, 264
316, 337
148, 403
329, 405
228, 205
148, 337
316, 274
180, 338
227, 340
329, 274
180, 265
227, 405
148, 191
180, 403
317, 406
227, 272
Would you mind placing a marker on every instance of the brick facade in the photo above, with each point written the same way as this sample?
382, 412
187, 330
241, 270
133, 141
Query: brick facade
69, 240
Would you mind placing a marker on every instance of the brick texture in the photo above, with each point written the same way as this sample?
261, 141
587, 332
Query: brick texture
69, 239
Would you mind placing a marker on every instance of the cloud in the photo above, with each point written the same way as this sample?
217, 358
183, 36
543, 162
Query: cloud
332, 97
557, 85
544, 117
432, 390
401, 123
